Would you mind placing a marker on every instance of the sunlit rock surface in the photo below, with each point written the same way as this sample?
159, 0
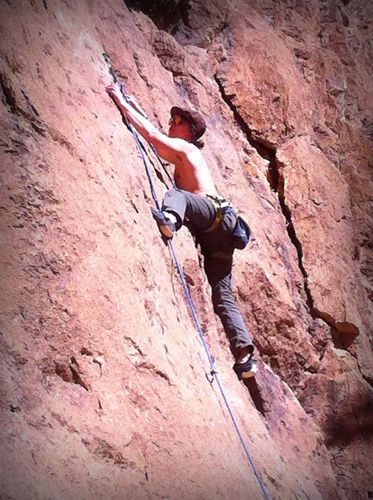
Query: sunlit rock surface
103, 378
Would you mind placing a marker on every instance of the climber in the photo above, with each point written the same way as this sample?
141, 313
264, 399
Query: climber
196, 203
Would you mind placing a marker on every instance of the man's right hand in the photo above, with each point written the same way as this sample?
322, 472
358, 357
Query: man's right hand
114, 91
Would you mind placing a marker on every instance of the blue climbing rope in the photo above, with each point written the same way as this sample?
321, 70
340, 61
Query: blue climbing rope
201, 335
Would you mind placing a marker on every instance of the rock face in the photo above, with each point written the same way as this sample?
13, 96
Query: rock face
104, 387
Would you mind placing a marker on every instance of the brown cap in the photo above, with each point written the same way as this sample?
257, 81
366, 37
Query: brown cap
194, 118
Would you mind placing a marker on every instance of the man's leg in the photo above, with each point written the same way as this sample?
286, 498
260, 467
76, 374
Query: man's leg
219, 274
198, 209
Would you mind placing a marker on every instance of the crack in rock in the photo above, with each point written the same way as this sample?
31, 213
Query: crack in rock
165, 14
102, 449
145, 365
276, 181
71, 373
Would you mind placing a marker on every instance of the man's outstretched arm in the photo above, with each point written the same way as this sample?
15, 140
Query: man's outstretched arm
171, 149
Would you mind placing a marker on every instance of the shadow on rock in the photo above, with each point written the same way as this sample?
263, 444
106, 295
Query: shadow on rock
256, 395
353, 424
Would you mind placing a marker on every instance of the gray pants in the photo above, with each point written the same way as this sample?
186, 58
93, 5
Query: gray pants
198, 213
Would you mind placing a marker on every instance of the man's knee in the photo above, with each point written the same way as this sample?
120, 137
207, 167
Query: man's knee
173, 193
174, 203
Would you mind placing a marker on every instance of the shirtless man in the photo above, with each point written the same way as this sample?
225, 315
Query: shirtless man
196, 203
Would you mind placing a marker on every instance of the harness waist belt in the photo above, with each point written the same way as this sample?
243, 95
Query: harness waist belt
221, 206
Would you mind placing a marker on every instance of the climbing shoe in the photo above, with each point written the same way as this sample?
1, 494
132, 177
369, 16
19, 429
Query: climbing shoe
166, 227
245, 370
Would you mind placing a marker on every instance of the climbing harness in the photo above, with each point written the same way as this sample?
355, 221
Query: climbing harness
222, 207
213, 372
240, 235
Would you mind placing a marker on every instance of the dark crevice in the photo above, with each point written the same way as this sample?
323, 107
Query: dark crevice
165, 14
265, 149
323, 352
343, 332
15, 109
10, 100
280, 190
347, 332
350, 425
29, 103
109, 64
70, 372
76, 374
256, 396
276, 181
368, 380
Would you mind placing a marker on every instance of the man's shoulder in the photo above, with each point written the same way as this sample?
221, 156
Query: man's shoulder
192, 149
183, 143
189, 150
